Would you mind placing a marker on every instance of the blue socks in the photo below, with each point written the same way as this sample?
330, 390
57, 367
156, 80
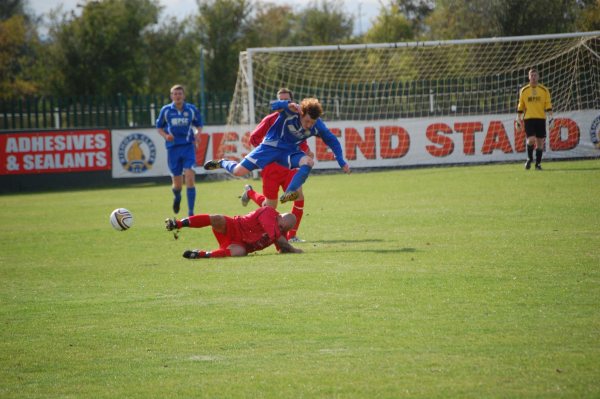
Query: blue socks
299, 178
191, 199
228, 165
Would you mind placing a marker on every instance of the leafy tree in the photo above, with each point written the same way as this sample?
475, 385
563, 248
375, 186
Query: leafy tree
533, 17
464, 19
322, 23
416, 11
173, 56
221, 25
390, 26
19, 45
588, 15
271, 26
10, 8
102, 51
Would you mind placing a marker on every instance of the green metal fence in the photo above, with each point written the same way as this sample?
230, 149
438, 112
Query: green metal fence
95, 111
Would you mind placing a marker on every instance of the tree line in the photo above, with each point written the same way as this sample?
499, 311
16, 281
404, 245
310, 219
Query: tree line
126, 46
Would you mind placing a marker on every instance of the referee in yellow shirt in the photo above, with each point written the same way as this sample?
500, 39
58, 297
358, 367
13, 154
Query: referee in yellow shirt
534, 105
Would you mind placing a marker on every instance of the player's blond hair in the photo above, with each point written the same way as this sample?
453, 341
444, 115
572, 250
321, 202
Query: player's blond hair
177, 87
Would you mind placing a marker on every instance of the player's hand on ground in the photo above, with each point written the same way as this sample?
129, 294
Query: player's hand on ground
346, 169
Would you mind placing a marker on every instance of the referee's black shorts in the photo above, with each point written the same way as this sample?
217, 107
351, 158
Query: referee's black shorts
535, 127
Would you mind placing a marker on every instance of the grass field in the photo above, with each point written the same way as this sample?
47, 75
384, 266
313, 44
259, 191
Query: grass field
475, 282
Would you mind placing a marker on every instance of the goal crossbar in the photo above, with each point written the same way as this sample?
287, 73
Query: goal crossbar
420, 79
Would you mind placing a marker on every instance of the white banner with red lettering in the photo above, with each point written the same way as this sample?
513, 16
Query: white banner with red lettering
402, 142
54, 152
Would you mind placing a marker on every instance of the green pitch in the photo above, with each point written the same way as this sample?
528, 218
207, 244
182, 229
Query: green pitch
460, 282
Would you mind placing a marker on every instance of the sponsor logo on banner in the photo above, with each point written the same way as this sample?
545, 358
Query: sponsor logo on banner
594, 132
137, 153
54, 152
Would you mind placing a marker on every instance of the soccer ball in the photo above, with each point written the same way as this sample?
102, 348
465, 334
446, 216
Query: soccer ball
121, 219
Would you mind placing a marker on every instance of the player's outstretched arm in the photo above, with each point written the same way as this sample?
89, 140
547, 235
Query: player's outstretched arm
285, 247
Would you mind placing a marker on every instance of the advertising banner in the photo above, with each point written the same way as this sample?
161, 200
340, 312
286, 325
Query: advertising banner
386, 143
54, 152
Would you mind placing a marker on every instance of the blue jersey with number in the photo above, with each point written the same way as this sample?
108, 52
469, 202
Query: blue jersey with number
287, 132
179, 124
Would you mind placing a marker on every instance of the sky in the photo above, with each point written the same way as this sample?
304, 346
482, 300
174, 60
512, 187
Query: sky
368, 9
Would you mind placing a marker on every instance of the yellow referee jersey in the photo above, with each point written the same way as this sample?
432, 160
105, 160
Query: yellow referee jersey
534, 101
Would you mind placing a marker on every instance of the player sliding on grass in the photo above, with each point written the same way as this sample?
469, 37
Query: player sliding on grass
274, 175
293, 126
240, 235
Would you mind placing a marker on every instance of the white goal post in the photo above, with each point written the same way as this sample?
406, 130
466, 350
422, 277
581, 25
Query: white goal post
369, 82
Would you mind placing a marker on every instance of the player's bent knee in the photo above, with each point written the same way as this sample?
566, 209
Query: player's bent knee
270, 202
308, 161
237, 250
218, 222
240, 171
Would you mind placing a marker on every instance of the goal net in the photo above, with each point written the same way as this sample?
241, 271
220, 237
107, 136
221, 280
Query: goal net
420, 79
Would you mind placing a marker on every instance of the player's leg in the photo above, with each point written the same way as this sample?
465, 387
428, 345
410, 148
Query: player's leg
190, 177
218, 222
237, 250
250, 194
220, 227
175, 164
232, 167
258, 158
304, 163
297, 209
530, 133
273, 177
540, 138
231, 250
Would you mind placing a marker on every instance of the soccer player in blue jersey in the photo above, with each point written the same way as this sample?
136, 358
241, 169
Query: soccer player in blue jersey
295, 123
178, 123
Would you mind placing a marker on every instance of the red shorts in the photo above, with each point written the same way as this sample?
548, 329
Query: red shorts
275, 176
232, 235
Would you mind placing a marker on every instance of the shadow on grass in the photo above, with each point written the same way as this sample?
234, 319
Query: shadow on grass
345, 250
378, 251
345, 241
550, 169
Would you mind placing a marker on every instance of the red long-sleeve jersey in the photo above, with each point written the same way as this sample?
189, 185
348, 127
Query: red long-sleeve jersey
257, 230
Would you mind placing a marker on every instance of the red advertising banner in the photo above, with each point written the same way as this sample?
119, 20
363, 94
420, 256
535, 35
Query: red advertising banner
55, 152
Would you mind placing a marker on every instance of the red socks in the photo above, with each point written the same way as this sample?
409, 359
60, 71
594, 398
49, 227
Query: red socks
298, 211
197, 221
219, 253
258, 198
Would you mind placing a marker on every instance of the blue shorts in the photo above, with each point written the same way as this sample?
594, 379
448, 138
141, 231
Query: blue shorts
263, 155
181, 157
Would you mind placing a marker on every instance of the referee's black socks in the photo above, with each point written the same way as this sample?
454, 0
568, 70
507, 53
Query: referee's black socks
530, 152
538, 156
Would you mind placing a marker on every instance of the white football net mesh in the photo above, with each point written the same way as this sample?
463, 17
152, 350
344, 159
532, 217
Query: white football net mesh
415, 80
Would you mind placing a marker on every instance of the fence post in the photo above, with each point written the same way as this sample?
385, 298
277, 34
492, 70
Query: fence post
57, 118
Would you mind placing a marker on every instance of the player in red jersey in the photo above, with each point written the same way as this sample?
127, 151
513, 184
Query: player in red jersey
274, 175
241, 235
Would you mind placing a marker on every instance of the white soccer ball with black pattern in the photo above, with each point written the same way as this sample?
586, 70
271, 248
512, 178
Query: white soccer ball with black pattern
121, 219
